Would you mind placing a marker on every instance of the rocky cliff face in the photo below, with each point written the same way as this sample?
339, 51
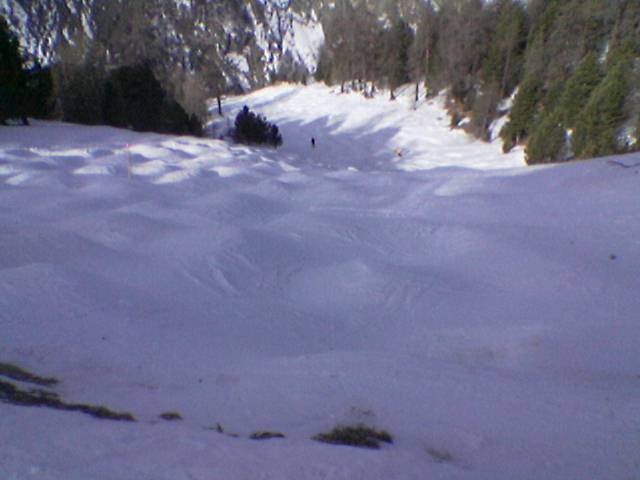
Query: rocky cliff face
251, 42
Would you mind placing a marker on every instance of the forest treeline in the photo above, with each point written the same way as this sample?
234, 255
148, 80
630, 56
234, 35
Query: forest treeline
570, 67
129, 96
563, 74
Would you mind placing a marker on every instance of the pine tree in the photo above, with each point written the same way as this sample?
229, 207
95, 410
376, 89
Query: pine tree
597, 127
522, 113
39, 92
503, 63
135, 99
547, 141
251, 128
421, 50
399, 39
12, 77
579, 87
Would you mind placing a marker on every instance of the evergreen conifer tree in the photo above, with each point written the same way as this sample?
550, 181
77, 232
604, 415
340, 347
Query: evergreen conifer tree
598, 123
547, 141
503, 63
399, 39
579, 87
12, 76
522, 113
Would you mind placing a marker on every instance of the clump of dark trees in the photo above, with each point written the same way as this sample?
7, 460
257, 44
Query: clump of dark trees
24, 92
572, 66
127, 96
251, 128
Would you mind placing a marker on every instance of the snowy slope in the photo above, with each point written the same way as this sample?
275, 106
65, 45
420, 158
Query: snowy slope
484, 313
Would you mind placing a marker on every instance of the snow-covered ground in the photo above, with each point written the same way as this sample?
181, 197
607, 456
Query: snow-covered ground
484, 313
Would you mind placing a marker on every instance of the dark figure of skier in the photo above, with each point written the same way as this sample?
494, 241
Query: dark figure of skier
313, 142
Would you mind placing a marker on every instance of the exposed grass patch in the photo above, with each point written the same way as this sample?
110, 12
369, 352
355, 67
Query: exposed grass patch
10, 393
21, 375
170, 416
265, 435
358, 435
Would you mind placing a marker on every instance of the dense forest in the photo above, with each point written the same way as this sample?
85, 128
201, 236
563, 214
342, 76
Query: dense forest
569, 67
562, 74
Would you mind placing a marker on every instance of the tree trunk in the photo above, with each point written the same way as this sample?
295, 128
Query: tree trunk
219, 100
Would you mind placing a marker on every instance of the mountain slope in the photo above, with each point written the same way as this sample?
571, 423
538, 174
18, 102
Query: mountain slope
255, 41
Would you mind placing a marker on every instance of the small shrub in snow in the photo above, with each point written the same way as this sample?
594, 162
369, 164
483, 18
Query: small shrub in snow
440, 455
170, 416
255, 129
358, 435
265, 435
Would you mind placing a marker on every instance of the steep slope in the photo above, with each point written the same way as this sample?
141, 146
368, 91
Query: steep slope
255, 41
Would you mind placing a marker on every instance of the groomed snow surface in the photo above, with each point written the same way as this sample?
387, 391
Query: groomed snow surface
399, 275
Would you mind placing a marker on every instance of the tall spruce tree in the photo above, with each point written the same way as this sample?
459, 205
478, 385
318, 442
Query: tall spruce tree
503, 63
596, 131
398, 41
547, 141
523, 113
579, 87
422, 47
13, 78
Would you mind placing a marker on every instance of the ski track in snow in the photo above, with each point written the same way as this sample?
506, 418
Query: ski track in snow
484, 313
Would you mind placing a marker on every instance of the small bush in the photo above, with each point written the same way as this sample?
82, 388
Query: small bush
355, 435
255, 129
265, 435
440, 455
170, 416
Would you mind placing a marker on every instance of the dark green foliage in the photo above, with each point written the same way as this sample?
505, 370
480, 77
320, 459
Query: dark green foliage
23, 92
563, 32
597, 127
627, 25
504, 61
127, 97
522, 113
81, 91
255, 129
39, 92
12, 75
398, 41
547, 142
15, 372
579, 88
133, 98
355, 435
